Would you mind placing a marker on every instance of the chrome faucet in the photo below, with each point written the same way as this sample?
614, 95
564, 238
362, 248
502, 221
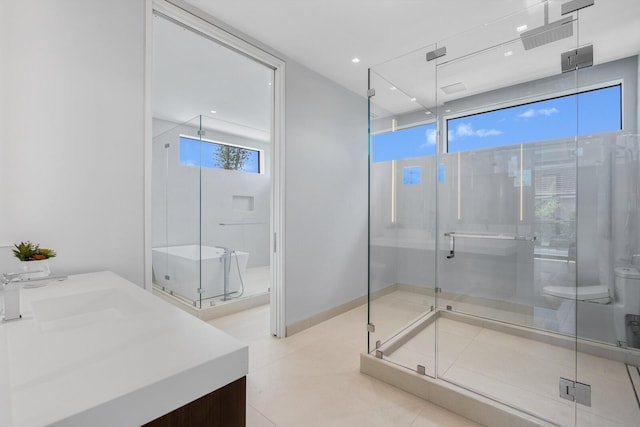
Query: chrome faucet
12, 283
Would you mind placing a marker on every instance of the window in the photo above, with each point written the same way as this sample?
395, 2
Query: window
416, 141
411, 175
596, 111
218, 155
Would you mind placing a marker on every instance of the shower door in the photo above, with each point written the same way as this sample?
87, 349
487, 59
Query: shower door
506, 202
176, 211
402, 238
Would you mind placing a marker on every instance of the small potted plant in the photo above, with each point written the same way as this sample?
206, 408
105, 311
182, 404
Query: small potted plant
34, 259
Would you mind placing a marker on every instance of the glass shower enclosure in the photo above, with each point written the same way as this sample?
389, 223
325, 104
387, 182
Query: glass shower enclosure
210, 214
211, 169
504, 217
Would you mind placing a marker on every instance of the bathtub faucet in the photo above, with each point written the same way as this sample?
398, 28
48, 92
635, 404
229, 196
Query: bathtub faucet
226, 260
12, 283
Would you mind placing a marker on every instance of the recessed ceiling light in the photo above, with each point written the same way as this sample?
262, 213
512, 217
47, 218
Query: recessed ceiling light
427, 112
508, 53
393, 88
413, 99
447, 111
521, 28
355, 60
214, 111
269, 83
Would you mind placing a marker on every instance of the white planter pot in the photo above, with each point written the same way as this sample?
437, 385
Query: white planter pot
35, 269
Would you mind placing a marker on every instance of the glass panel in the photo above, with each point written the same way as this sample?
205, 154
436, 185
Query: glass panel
176, 214
214, 197
608, 221
236, 216
402, 211
500, 332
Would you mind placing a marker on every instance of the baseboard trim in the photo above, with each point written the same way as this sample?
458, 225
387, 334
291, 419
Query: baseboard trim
323, 316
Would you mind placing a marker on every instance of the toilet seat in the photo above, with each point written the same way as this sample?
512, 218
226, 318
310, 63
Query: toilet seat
597, 293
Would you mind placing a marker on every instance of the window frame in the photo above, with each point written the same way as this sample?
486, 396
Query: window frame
528, 101
259, 151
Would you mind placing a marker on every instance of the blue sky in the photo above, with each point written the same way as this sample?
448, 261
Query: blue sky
190, 154
590, 112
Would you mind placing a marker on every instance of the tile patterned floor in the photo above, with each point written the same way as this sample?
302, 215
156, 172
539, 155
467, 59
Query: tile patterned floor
312, 378
519, 371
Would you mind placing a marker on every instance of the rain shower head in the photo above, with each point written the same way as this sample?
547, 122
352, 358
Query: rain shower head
549, 32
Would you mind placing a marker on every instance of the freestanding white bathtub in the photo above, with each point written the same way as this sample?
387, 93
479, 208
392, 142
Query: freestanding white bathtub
177, 268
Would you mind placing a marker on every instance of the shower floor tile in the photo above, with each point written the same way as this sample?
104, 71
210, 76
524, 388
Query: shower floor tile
312, 378
523, 373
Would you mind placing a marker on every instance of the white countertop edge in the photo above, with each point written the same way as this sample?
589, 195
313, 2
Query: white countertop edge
142, 406
172, 389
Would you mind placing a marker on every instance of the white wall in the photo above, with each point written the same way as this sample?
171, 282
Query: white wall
73, 141
326, 194
3, 157
73, 137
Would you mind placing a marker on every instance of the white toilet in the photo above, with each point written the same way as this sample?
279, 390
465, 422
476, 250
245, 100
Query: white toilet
596, 293
627, 302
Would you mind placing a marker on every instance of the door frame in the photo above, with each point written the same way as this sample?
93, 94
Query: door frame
200, 23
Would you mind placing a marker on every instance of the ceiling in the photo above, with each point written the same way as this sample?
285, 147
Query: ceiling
194, 76
326, 35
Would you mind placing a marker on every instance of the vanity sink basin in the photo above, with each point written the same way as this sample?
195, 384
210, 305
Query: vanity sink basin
83, 309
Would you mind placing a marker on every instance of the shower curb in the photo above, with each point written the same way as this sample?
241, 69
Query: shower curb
457, 400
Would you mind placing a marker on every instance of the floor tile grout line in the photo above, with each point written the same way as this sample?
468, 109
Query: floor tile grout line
263, 415
633, 385
461, 352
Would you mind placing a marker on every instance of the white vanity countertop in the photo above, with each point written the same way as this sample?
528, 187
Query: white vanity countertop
97, 350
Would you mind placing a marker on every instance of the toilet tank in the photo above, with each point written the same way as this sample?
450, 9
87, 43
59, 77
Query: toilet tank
627, 288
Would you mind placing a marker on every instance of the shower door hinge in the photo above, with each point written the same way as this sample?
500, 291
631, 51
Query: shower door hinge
438, 290
575, 59
572, 6
371, 92
371, 327
439, 52
379, 354
201, 133
421, 370
167, 277
167, 145
575, 391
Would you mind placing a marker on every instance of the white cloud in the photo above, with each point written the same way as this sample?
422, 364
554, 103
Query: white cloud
541, 112
488, 132
466, 129
548, 111
528, 114
430, 135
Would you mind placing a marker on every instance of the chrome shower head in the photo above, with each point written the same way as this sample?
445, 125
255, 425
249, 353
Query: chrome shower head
549, 32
